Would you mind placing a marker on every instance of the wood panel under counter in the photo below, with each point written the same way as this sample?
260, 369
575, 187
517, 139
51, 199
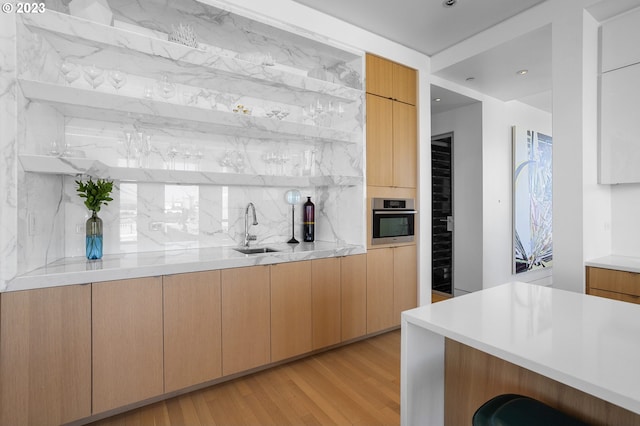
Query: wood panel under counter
614, 277
563, 339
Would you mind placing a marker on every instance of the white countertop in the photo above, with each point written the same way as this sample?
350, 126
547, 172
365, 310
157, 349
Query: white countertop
620, 263
78, 270
586, 342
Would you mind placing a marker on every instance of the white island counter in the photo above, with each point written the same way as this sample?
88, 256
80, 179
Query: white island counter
587, 343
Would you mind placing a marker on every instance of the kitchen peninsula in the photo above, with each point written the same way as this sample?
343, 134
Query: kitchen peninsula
575, 352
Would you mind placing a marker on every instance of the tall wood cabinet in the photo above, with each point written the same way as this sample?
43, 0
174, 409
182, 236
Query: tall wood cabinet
45, 355
192, 329
127, 342
392, 158
392, 172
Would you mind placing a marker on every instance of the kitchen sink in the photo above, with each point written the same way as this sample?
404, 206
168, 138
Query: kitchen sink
255, 250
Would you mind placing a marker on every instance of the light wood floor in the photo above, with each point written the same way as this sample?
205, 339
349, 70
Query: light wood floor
358, 384
438, 296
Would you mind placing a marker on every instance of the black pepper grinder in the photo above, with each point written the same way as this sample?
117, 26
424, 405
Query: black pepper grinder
308, 221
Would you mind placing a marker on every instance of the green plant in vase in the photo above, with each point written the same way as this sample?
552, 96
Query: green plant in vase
95, 194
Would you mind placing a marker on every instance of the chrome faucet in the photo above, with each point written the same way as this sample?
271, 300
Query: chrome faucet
248, 237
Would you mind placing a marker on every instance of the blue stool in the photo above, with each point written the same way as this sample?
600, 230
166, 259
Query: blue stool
518, 410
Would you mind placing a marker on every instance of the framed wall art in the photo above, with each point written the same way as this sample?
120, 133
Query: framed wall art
532, 200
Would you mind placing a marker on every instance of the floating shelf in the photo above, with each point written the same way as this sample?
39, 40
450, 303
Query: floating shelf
140, 54
94, 104
83, 166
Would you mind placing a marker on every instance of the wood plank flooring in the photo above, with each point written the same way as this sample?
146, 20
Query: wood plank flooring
438, 296
358, 384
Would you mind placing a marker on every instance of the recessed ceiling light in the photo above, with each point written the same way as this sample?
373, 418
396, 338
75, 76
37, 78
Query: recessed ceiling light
437, 100
449, 3
522, 72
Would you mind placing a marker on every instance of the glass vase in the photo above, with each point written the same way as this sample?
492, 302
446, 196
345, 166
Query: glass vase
94, 237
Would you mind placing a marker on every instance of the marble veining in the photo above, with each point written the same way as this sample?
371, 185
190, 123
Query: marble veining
212, 130
78, 270
8, 151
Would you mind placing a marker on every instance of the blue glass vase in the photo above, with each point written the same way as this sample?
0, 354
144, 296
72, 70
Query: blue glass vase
94, 237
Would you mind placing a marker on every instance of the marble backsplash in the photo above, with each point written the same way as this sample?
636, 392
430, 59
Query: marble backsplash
153, 215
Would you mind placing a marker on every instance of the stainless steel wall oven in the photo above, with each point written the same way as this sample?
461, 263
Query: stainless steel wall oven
393, 220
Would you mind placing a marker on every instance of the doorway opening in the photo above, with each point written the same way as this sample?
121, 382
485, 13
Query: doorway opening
442, 214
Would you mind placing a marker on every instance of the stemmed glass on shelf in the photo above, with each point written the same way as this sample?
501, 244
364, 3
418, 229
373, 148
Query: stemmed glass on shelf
69, 71
117, 78
128, 143
94, 76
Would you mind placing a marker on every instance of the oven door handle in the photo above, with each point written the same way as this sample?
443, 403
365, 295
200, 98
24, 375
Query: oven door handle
395, 212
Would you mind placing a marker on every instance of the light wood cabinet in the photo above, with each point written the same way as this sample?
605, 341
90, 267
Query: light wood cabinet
405, 147
290, 309
613, 284
192, 329
353, 279
405, 86
127, 342
45, 355
392, 285
379, 80
405, 280
246, 341
391, 124
70, 352
392, 155
325, 297
379, 141
380, 289
391, 80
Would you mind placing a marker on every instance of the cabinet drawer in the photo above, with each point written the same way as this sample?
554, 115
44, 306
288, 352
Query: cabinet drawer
615, 281
615, 296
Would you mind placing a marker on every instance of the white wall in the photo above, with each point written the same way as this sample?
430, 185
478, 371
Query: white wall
527, 117
574, 49
490, 198
620, 48
499, 117
466, 125
625, 220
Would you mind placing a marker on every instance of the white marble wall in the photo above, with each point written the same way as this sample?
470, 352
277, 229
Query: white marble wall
8, 151
42, 217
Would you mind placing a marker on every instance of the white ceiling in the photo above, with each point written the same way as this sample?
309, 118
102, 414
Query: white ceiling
423, 25
428, 27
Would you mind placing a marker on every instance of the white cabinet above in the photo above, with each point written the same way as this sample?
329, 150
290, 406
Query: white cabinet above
620, 126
